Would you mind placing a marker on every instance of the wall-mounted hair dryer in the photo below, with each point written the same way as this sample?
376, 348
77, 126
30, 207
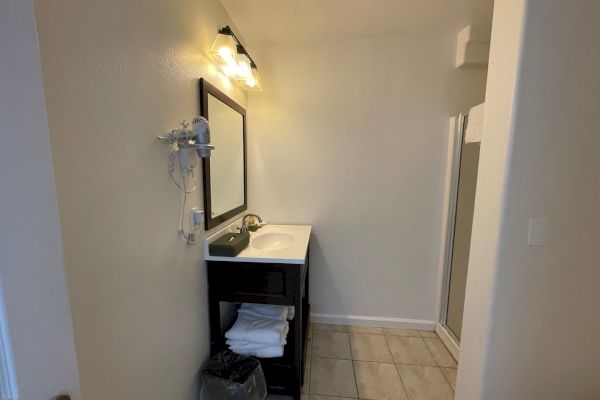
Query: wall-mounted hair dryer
181, 141
197, 138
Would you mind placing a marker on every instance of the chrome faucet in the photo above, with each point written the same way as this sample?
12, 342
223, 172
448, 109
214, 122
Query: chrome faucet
246, 227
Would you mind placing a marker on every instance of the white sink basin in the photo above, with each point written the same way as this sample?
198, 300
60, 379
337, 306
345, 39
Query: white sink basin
282, 244
272, 241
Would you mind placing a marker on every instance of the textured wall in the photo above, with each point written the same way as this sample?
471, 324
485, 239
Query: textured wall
350, 137
531, 315
31, 259
116, 74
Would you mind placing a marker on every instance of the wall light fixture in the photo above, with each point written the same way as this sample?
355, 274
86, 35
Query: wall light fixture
233, 59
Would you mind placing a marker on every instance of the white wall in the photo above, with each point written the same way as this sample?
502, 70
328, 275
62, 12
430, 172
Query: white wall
350, 137
118, 73
31, 258
532, 321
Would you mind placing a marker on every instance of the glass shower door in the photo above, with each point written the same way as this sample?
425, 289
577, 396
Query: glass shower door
461, 243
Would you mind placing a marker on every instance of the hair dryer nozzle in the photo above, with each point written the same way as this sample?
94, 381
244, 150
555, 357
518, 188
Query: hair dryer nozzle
201, 135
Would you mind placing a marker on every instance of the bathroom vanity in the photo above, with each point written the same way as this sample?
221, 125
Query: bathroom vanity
273, 269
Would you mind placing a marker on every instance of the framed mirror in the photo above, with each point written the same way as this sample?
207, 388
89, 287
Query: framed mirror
224, 173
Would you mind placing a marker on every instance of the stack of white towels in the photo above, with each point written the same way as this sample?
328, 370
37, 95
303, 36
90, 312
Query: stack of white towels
260, 330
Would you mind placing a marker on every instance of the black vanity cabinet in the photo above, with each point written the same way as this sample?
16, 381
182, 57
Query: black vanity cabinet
267, 283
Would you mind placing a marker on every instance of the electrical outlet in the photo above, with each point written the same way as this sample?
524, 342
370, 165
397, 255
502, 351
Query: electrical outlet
196, 217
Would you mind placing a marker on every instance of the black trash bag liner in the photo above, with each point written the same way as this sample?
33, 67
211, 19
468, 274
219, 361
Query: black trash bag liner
230, 376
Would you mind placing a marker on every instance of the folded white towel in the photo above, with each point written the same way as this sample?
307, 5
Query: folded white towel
264, 352
291, 313
269, 311
258, 330
245, 345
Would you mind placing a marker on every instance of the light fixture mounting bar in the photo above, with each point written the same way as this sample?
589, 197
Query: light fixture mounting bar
226, 30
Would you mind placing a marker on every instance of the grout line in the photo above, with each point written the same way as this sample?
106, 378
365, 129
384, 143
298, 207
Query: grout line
431, 352
446, 378
334, 358
355, 379
402, 382
376, 362
330, 330
418, 365
436, 362
444, 347
389, 348
380, 334
396, 366
353, 368
351, 352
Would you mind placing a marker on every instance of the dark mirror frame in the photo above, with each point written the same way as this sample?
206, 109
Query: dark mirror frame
209, 221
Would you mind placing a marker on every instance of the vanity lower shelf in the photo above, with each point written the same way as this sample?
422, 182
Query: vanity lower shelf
280, 372
266, 283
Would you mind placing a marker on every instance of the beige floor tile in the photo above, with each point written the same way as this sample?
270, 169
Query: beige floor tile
367, 347
378, 381
329, 327
317, 397
425, 383
410, 350
331, 377
365, 329
331, 344
304, 397
440, 353
428, 334
400, 332
450, 374
306, 383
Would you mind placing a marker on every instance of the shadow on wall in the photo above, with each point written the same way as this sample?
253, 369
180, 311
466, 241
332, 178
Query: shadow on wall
325, 276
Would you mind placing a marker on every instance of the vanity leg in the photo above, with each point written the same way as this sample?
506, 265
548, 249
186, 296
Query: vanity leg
214, 311
298, 336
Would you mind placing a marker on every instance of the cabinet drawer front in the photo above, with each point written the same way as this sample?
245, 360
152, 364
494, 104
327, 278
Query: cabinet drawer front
249, 279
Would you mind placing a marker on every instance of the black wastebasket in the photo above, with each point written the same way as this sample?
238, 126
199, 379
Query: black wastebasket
230, 376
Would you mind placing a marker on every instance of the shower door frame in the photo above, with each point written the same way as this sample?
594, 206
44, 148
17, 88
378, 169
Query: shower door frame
445, 333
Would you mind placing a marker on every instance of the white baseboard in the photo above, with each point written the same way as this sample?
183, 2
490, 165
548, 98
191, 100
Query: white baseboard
384, 322
448, 341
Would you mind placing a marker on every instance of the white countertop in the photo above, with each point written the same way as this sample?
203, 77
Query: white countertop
294, 251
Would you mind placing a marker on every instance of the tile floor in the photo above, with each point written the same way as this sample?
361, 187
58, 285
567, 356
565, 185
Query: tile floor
350, 362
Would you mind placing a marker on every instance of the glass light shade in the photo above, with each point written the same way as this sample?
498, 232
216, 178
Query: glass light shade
244, 69
230, 69
224, 50
252, 84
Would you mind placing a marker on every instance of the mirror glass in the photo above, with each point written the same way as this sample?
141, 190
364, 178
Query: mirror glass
225, 171
227, 162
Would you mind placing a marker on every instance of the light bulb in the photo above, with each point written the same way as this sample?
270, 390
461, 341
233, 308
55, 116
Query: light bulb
223, 50
252, 83
225, 54
244, 71
230, 69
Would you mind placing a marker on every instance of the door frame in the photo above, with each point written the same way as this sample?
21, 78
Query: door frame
9, 389
456, 140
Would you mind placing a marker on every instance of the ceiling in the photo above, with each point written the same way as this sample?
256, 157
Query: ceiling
289, 21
